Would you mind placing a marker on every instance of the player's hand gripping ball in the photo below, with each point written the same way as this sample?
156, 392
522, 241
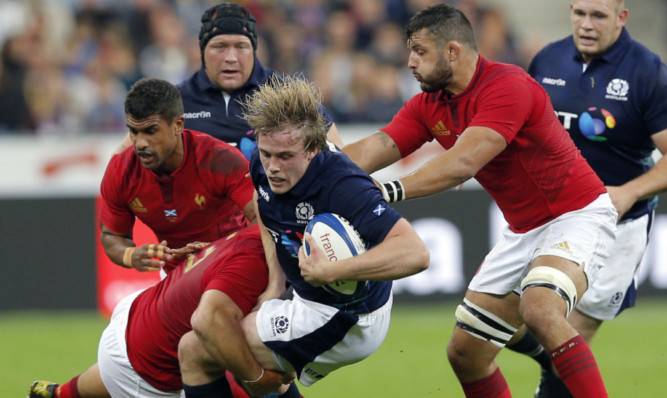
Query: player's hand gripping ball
338, 240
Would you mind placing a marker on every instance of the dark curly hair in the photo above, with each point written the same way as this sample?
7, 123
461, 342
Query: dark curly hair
150, 96
444, 23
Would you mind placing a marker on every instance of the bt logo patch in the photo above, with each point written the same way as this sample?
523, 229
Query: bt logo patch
594, 122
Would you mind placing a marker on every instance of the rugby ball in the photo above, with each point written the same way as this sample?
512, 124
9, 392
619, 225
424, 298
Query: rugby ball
338, 240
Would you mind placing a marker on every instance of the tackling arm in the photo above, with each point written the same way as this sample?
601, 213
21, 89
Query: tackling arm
249, 211
277, 280
218, 344
473, 150
127, 142
216, 322
121, 250
333, 136
374, 152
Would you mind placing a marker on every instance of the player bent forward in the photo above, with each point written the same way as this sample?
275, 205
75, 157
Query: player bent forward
297, 174
497, 125
137, 354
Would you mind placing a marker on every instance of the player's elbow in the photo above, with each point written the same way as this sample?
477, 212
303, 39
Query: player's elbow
422, 256
417, 256
201, 322
465, 169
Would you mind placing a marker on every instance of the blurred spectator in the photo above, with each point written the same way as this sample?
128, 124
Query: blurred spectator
66, 64
387, 45
166, 57
14, 112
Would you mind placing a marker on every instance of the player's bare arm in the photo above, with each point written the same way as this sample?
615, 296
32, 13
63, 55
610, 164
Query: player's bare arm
217, 329
277, 280
121, 250
473, 150
250, 212
127, 142
374, 152
645, 186
402, 253
190, 248
333, 136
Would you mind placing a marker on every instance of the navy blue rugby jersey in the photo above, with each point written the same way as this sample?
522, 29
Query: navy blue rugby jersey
206, 111
332, 183
611, 108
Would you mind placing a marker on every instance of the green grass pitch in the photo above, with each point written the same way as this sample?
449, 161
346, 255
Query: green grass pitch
631, 352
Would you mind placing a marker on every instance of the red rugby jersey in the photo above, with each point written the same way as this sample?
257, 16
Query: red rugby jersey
160, 315
539, 176
202, 200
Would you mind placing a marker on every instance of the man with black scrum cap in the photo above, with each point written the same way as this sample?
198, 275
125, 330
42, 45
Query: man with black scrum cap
230, 71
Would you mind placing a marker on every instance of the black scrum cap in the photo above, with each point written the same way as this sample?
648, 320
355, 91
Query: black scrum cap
227, 18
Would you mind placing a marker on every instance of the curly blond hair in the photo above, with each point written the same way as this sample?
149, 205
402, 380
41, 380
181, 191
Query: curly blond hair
287, 103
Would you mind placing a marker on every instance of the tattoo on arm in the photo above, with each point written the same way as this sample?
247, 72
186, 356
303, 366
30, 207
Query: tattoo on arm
385, 140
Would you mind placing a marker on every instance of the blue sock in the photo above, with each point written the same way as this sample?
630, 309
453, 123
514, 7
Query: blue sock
215, 389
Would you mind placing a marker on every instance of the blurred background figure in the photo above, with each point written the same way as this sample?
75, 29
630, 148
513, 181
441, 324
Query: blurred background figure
67, 64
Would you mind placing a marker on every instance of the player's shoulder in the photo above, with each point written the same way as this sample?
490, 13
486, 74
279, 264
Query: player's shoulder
496, 72
188, 87
199, 138
122, 171
339, 172
124, 161
557, 56
212, 154
338, 161
248, 236
642, 58
498, 77
555, 49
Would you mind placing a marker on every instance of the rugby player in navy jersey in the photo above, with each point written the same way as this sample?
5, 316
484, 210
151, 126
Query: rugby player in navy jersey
298, 174
230, 72
610, 93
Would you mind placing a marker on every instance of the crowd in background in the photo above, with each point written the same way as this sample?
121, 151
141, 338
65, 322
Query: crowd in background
66, 65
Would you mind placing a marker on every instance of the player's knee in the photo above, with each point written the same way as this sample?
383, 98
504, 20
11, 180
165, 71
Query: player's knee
555, 280
483, 325
465, 361
537, 306
187, 348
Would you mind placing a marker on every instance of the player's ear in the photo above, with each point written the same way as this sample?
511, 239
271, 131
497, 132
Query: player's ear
312, 154
452, 50
179, 124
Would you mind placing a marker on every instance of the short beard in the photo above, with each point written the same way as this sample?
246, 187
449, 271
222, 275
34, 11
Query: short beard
442, 77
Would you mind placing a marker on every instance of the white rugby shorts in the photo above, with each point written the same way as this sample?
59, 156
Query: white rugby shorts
605, 297
582, 236
118, 375
315, 339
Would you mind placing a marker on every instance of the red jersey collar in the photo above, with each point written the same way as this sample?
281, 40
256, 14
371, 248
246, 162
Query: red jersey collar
481, 64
